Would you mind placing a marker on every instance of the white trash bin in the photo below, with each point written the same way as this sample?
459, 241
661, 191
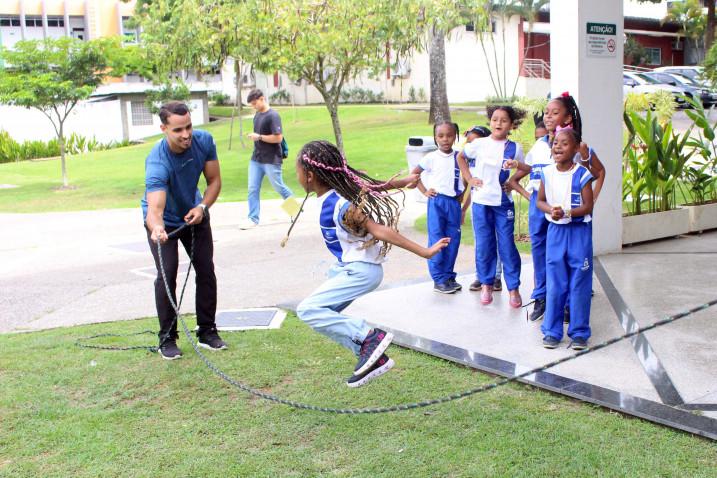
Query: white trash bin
417, 148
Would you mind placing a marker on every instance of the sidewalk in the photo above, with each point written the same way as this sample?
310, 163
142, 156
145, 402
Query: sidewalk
62, 269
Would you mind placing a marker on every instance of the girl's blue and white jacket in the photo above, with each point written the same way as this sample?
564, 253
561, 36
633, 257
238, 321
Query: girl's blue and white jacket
486, 157
341, 242
564, 188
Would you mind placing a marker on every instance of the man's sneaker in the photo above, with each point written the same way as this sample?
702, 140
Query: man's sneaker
381, 366
566, 315
538, 310
550, 342
210, 340
475, 286
247, 224
373, 346
456, 285
579, 344
497, 284
444, 288
169, 350
486, 295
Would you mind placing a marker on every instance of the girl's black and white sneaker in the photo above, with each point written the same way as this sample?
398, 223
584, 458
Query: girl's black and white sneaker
382, 365
375, 344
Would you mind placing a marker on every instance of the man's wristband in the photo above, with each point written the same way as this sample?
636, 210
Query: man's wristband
260, 138
204, 208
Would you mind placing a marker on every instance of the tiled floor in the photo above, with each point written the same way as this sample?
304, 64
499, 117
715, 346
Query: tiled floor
667, 375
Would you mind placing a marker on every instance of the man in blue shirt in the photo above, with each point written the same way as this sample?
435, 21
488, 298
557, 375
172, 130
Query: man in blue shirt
172, 198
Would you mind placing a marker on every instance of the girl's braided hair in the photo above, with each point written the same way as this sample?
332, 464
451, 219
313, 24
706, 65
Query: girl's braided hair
572, 108
367, 194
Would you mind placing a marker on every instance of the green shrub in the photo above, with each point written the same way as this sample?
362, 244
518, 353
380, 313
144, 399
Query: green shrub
361, 95
11, 150
280, 97
219, 98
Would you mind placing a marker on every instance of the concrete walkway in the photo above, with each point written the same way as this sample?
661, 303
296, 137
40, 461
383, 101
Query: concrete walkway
63, 269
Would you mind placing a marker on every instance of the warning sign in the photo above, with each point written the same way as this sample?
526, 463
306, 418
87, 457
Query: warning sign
602, 39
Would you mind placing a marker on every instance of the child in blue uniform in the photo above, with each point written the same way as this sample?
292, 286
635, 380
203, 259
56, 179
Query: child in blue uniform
561, 112
471, 135
493, 210
566, 198
441, 183
358, 221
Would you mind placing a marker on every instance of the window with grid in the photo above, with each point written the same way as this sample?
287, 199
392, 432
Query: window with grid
141, 115
654, 56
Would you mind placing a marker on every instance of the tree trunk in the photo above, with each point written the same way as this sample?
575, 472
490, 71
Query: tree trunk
333, 106
237, 104
63, 165
710, 33
439, 110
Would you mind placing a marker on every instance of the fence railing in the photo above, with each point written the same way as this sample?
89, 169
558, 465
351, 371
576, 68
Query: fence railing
535, 68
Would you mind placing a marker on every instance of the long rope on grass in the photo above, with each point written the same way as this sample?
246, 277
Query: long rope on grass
81, 342
392, 408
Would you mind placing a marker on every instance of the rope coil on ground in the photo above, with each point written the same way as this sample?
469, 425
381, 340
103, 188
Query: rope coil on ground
372, 410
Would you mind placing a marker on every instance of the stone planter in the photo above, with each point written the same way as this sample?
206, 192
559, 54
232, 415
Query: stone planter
702, 217
658, 225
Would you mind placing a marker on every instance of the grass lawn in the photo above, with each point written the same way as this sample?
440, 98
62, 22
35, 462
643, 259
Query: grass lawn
375, 138
75, 412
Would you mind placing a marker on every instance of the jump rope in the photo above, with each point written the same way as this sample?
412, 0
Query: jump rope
376, 190
350, 411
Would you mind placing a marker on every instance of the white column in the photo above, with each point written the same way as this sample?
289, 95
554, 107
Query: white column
44, 20
23, 27
592, 73
66, 11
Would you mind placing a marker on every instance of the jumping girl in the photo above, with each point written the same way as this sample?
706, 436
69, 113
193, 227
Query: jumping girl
441, 183
566, 198
561, 112
358, 220
493, 210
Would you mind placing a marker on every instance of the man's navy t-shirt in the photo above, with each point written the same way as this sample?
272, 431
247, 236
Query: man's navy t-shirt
266, 123
178, 175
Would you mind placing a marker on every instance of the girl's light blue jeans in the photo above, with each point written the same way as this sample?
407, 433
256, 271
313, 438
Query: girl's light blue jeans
322, 309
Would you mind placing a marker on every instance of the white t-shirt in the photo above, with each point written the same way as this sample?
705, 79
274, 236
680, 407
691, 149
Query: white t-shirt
440, 172
486, 157
564, 189
538, 157
342, 243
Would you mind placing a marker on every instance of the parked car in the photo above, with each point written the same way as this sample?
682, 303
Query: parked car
696, 90
707, 101
693, 72
633, 82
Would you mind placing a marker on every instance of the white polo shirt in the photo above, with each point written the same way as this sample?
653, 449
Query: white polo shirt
440, 172
487, 156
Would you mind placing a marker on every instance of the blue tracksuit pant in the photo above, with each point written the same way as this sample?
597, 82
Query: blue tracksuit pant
489, 223
538, 229
569, 277
444, 220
